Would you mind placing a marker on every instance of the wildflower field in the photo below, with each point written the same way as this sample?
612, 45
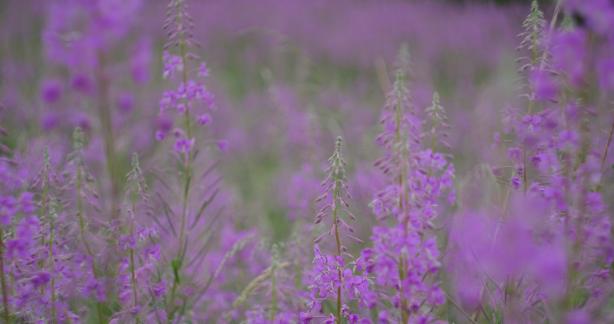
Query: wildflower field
306, 161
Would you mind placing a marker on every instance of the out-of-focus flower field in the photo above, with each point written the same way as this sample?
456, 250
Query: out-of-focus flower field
293, 161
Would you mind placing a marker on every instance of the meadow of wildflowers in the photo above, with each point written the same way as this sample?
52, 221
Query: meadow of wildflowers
292, 161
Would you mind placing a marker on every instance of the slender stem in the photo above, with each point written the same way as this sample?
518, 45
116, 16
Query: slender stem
607, 146
188, 126
382, 74
273, 293
48, 214
525, 180
555, 15
187, 157
44, 201
52, 265
106, 123
172, 301
336, 191
80, 217
132, 269
5, 298
133, 278
403, 200
404, 303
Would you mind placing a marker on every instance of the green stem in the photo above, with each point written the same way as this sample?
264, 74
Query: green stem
172, 301
106, 123
80, 217
336, 202
273, 294
188, 127
187, 158
5, 298
44, 200
607, 146
133, 272
403, 200
52, 263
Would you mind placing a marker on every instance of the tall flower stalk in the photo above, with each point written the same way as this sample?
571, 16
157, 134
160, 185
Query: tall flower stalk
79, 182
336, 179
135, 178
332, 276
80, 190
179, 19
532, 41
141, 288
406, 249
399, 123
49, 212
189, 96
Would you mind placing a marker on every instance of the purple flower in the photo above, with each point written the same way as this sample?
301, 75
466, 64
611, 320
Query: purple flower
8, 209
569, 54
605, 73
578, 316
543, 84
204, 119
40, 279
203, 71
95, 288
125, 102
172, 64
222, 145
597, 14
141, 61
184, 145
51, 91
82, 83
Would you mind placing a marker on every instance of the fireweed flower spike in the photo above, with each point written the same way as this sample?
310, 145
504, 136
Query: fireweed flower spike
404, 259
80, 178
532, 36
334, 185
141, 289
331, 276
83, 197
191, 100
439, 125
540, 82
50, 213
399, 137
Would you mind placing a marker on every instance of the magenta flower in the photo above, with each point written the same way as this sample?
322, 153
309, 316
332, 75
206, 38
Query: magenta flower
51, 91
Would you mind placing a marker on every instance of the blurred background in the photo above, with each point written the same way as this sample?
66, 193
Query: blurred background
288, 76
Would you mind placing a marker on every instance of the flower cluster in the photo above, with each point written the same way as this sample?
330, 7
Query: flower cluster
191, 99
404, 258
330, 277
